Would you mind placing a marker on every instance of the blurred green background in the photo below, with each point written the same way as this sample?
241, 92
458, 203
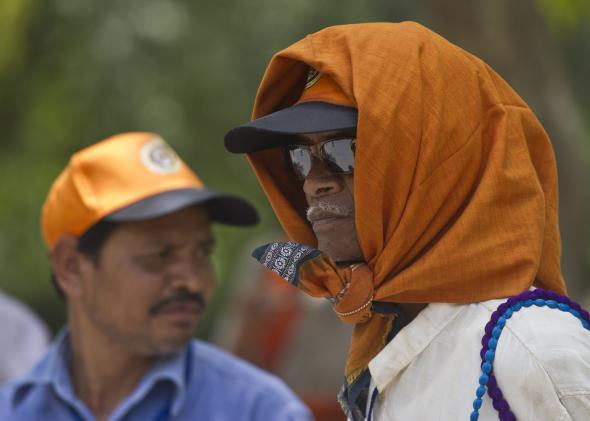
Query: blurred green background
73, 72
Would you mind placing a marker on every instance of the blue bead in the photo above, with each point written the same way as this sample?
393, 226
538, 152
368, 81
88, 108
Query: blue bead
501, 321
563, 307
576, 313
492, 343
477, 403
508, 313
486, 367
481, 390
527, 303
496, 332
489, 355
551, 303
483, 379
584, 323
474, 416
539, 302
517, 306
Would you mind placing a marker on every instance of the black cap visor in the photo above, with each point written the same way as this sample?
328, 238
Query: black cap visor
223, 208
279, 128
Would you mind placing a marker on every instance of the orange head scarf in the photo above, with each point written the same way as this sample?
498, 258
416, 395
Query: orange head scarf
455, 179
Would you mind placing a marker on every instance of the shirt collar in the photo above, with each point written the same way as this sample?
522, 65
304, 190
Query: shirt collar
410, 342
48, 369
175, 369
53, 370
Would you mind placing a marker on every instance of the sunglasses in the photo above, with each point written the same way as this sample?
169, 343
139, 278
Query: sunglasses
336, 154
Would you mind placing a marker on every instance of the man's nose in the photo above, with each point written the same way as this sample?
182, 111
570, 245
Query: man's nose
321, 181
190, 276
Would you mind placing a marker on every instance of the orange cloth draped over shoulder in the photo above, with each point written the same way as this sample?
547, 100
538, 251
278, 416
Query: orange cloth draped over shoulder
455, 179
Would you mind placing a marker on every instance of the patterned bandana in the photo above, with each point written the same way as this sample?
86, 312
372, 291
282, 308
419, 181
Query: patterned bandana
349, 289
285, 258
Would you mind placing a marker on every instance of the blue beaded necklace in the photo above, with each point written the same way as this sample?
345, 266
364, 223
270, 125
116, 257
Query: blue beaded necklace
493, 329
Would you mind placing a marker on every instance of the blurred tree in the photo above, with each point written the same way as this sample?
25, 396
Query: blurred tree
76, 71
565, 15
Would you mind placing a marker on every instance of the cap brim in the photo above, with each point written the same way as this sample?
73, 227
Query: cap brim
279, 128
223, 208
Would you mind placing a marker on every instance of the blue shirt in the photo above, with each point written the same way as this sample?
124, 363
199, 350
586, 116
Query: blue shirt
201, 382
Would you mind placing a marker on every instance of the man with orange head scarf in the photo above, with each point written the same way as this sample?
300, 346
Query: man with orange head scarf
420, 192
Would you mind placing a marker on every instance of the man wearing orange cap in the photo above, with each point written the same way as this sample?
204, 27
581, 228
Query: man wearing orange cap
420, 192
127, 225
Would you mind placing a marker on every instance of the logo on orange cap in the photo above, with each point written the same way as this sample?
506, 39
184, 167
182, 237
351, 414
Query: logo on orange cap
159, 158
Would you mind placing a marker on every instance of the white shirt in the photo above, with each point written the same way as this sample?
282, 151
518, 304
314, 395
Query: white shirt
431, 369
23, 338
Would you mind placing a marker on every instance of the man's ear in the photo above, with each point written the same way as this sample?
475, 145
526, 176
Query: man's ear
68, 265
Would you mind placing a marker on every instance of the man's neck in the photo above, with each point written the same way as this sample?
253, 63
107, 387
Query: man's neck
103, 372
410, 311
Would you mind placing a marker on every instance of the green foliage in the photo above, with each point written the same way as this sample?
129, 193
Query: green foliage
14, 17
73, 72
565, 15
569, 22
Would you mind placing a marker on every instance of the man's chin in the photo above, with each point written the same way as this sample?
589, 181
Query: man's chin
170, 346
171, 338
338, 252
332, 225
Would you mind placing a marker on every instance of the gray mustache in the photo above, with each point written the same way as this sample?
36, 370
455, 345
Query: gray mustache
180, 297
323, 208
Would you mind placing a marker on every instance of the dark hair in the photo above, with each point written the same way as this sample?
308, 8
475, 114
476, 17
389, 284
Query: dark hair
90, 244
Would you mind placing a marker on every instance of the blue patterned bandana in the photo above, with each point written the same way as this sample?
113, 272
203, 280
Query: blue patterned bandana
284, 258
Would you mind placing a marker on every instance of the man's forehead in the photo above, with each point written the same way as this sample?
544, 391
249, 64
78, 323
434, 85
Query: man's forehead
191, 221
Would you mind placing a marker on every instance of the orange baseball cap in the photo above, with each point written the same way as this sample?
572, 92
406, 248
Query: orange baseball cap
322, 107
130, 176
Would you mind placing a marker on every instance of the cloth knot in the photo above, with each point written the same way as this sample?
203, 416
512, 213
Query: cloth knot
353, 305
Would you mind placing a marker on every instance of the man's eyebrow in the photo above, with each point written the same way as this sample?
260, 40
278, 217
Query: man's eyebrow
300, 141
164, 247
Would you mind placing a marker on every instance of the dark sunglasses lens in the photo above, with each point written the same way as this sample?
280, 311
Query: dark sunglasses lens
300, 159
340, 154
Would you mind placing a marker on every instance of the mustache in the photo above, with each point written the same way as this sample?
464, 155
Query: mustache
180, 297
323, 208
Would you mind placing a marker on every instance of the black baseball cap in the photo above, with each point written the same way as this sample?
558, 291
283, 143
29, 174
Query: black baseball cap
223, 208
322, 107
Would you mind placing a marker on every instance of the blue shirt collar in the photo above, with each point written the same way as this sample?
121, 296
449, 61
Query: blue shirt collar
53, 370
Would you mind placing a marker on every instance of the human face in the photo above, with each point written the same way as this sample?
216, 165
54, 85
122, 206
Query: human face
330, 198
151, 283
